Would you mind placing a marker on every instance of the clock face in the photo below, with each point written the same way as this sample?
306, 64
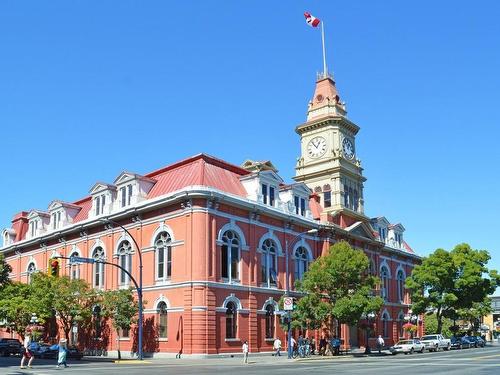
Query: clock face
316, 147
348, 148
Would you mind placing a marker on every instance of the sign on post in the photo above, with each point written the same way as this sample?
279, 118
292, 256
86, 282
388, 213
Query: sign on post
81, 260
288, 303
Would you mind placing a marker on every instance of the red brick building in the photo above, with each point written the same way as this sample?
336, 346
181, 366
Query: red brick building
215, 237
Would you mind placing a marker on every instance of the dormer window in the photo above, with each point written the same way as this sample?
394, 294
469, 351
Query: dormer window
300, 205
264, 193
56, 220
268, 194
126, 195
99, 204
382, 232
33, 228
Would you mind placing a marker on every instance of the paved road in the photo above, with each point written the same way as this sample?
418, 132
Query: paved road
468, 361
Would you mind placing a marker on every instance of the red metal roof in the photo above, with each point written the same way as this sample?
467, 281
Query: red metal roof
86, 205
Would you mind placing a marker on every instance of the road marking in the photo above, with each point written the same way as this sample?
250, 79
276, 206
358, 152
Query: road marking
486, 356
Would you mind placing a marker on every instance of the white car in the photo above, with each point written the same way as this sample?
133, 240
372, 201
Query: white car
407, 346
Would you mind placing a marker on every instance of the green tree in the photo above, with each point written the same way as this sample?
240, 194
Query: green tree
73, 301
337, 286
5, 270
431, 325
448, 282
122, 308
15, 306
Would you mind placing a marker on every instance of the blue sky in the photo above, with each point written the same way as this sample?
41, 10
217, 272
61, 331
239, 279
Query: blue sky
91, 88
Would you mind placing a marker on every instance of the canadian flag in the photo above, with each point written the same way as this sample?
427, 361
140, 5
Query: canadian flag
311, 20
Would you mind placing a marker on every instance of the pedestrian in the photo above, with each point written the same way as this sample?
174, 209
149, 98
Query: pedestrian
277, 347
322, 346
313, 346
293, 343
27, 354
63, 351
335, 344
245, 351
380, 343
300, 343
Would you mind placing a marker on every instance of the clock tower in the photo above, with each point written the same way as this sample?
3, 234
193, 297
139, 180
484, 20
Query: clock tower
328, 163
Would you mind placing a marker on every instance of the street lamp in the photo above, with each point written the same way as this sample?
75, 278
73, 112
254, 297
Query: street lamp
370, 317
412, 319
287, 246
139, 289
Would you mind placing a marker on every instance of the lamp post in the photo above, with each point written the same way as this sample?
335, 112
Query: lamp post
412, 319
139, 289
370, 317
289, 316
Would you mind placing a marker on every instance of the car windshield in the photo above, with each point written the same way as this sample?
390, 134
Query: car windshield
405, 342
429, 338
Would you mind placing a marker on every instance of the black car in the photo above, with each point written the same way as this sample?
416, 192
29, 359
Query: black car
52, 351
9, 346
460, 343
476, 341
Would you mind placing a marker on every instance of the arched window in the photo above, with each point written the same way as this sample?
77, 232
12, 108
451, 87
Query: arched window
163, 251
268, 263
230, 256
384, 275
98, 271
269, 322
401, 286
385, 324
74, 268
162, 320
301, 262
401, 322
346, 196
351, 200
125, 261
230, 320
356, 200
30, 271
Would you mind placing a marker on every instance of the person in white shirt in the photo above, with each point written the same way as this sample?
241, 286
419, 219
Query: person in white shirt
380, 343
26, 352
277, 347
245, 351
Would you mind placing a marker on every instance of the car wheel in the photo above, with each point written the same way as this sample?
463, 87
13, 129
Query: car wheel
422, 350
394, 353
436, 348
411, 351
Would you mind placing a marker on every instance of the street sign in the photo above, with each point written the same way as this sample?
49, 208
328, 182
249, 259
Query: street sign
81, 260
288, 303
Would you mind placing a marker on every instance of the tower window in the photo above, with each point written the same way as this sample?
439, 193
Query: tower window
327, 198
356, 200
346, 196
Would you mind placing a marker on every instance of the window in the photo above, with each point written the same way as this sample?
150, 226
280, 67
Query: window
327, 199
31, 270
346, 196
356, 201
125, 261
56, 220
99, 203
296, 202
34, 228
401, 286
269, 322
351, 194
385, 325
124, 333
301, 262
264, 193
372, 268
230, 256
162, 320
98, 276
382, 233
271, 196
230, 320
163, 256
268, 262
74, 268
384, 275
300, 205
126, 195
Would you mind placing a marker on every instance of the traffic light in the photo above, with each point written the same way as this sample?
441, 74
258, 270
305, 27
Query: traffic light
53, 267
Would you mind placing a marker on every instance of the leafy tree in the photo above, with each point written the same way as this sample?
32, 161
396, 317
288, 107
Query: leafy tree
431, 325
5, 270
448, 282
473, 314
337, 286
73, 301
122, 308
15, 306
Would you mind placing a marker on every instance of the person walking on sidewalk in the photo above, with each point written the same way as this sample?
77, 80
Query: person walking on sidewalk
245, 351
380, 343
277, 347
63, 352
26, 351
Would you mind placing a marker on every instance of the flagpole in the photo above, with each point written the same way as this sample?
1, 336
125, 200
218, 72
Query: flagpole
325, 72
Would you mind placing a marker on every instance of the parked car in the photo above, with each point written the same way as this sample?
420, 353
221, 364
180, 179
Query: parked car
460, 343
9, 346
407, 346
42, 350
434, 342
476, 341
